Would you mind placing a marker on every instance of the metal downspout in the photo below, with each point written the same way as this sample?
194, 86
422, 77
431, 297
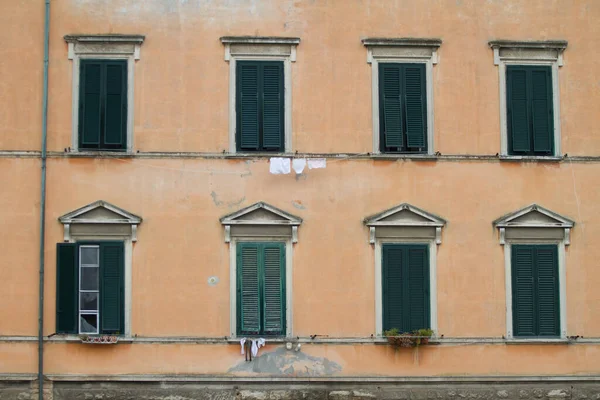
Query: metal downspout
43, 206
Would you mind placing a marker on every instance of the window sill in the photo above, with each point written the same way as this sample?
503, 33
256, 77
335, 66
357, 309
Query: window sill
404, 156
531, 158
538, 341
100, 153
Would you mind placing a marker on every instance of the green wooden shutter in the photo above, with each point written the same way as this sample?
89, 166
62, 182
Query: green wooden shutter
518, 109
115, 105
405, 279
523, 288
389, 86
541, 110
418, 288
112, 267
273, 282
248, 105
547, 291
415, 105
90, 103
273, 110
67, 287
248, 298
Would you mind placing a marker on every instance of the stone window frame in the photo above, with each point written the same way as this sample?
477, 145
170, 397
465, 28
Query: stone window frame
523, 227
274, 225
402, 51
528, 53
106, 228
260, 48
421, 227
103, 47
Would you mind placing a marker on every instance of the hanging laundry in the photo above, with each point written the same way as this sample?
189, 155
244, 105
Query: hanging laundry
257, 344
298, 165
314, 163
279, 165
242, 343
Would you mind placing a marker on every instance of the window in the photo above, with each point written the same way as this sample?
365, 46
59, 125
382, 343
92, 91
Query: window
260, 106
103, 82
529, 107
529, 97
402, 94
535, 293
103, 105
261, 239
405, 278
403, 108
261, 288
260, 92
534, 240
406, 241
90, 288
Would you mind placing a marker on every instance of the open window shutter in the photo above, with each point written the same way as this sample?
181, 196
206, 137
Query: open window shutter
541, 109
518, 114
111, 290
248, 290
523, 288
392, 278
417, 299
274, 289
548, 297
389, 86
415, 105
272, 105
67, 287
90, 103
115, 103
248, 123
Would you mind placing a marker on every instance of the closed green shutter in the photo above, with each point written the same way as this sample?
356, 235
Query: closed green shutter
111, 289
530, 112
260, 106
390, 81
103, 105
414, 94
272, 106
535, 290
274, 288
248, 288
403, 108
67, 286
406, 294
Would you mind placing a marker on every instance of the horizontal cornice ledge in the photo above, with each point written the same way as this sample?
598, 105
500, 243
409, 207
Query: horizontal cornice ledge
413, 42
105, 38
529, 44
259, 40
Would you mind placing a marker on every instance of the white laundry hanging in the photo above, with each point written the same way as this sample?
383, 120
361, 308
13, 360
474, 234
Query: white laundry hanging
279, 165
317, 163
242, 343
298, 165
257, 344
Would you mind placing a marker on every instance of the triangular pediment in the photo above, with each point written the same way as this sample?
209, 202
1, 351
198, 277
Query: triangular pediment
534, 216
100, 212
261, 214
404, 215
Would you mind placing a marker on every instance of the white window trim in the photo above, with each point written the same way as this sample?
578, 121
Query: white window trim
405, 48
262, 49
541, 54
233, 279
562, 279
432, 245
109, 47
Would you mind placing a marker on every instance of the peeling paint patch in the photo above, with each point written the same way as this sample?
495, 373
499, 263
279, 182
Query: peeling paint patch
291, 363
298, 204
229, 204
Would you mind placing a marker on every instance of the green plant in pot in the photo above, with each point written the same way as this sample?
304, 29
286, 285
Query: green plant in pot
423, 335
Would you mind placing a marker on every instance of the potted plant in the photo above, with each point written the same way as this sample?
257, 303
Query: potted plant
408, 339
423, 335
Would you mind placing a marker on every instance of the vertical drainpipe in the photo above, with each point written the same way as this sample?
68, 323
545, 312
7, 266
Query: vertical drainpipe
43, 206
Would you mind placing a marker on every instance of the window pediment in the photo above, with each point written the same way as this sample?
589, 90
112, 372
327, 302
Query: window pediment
533, 218
261, 219
411, 220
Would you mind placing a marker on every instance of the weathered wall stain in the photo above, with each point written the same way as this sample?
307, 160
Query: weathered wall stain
229, 204
286, 362
298, 204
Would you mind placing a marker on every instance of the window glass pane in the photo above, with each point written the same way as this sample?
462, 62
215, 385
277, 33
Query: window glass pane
89, 278
88, 323
89, 255
88, 301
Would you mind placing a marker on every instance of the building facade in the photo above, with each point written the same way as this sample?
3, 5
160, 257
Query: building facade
311, 175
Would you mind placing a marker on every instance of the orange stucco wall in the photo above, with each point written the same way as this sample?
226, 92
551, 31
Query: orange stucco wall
181, 105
